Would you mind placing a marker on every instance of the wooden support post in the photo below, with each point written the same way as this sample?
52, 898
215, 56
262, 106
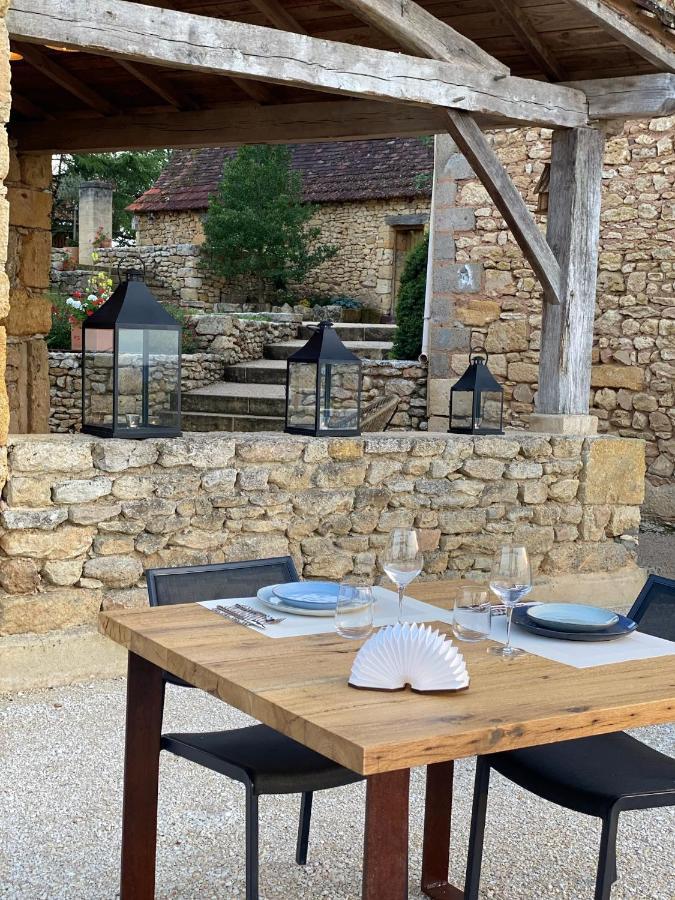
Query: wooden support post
572, 233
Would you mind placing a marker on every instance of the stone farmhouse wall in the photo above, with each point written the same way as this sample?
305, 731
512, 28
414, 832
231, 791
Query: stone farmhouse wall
171, 227
404, 379
83, 517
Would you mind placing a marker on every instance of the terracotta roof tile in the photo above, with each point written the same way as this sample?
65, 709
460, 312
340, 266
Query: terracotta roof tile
337, 171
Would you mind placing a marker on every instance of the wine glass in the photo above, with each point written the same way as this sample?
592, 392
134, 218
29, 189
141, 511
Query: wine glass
402, 561
354, 611
511, 580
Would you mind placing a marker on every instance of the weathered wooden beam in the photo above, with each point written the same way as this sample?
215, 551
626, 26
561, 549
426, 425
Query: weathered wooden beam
528, 36
238, 123
572, 232
176, 39
421, 33
44, 64
278, 15
636, 96
508, 200
158, 85
621, 27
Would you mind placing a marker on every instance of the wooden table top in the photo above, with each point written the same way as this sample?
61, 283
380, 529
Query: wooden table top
299, 686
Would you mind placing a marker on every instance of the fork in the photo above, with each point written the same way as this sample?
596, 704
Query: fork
239, 617
263, 616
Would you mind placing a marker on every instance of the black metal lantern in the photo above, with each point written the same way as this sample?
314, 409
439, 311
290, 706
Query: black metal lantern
131, 360
323, 387
477, 399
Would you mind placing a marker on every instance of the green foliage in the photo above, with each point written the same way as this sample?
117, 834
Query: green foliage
59, 335
189, 337
131, 173
257, 224
410, 304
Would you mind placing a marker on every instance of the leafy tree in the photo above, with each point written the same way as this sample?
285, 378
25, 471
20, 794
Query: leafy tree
410, 303
257, 224
131, 173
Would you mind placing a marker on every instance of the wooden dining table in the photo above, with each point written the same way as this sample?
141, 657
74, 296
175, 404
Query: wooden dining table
299, 686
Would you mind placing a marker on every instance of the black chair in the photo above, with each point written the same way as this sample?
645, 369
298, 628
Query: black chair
600, 776
262, 759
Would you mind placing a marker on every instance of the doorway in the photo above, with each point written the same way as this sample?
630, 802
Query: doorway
405, 238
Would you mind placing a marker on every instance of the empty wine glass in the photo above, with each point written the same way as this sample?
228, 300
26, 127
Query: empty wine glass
354, 611
402, 561
511, 580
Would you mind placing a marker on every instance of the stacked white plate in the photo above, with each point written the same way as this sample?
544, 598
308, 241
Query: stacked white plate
302, 598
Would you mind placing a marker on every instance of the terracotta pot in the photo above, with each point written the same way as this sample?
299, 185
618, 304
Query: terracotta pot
72, 258
75, 337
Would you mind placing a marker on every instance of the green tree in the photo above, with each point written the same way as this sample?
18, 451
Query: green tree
257, 224
410, 303
131, 174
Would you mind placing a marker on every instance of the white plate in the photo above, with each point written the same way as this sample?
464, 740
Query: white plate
267, 596
308, 594
572, 617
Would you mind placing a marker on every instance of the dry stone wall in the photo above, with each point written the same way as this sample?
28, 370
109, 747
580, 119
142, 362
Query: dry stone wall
238, 339
403, 379
83, 517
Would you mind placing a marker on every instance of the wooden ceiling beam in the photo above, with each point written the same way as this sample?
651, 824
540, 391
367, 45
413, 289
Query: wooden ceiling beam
27, 108
633, 97
278, 15
158, 85
196, 43
527, 35
421, 33
256, 90
39, 60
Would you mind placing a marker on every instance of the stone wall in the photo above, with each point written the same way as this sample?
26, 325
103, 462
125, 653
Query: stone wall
65, 381
83, 517
404, 379
237, 339
182, 226
5, 102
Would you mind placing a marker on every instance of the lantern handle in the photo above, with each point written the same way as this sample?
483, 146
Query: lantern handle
477, 352
118, 267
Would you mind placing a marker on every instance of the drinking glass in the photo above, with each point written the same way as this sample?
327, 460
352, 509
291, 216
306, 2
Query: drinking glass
354, 611
471, 618
511, 580
402, 561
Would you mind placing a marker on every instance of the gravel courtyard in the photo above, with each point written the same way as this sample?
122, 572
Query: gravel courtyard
60, 757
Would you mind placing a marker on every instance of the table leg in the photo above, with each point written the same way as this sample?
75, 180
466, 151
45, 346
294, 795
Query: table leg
436, 848
145, 700
385, 862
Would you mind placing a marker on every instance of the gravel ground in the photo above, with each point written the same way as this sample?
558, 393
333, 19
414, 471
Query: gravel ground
657, 548
60, 757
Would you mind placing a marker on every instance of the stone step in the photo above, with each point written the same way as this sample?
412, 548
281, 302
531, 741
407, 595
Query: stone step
353, 332
261, 371
364, 349
237, 399
196, 421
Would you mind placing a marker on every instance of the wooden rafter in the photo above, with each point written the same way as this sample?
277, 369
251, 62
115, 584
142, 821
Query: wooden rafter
527, 35
176, 39
278, 15
420, 32
256, 90
35, 57
508, 200
158, 85
27, 108
626, 32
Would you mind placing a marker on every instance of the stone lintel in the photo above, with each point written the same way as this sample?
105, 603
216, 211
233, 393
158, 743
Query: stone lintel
563, 424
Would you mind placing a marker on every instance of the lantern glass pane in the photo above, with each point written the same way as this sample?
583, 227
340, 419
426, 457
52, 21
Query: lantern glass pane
339, 397
489, 411
301, 408
98, 376
163, 376
462, 410
130, 412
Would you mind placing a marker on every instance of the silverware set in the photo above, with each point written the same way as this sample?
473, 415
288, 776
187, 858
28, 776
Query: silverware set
246, 615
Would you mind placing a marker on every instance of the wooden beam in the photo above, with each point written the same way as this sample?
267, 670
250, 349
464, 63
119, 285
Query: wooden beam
637, 96
572, 232
528, 36
256, 90
621, 27
238, 123
508, 200
158, 85
176, 39
421, 33
44, 64
27, 108
278, 15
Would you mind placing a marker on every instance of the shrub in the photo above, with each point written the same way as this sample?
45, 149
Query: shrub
410, 304
189, 336
59, 334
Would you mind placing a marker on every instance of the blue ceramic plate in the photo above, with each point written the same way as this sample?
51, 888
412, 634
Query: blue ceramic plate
619, 629
572, 617
308, 594
267, 596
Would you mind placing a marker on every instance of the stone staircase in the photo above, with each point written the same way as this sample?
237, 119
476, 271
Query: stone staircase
252, 398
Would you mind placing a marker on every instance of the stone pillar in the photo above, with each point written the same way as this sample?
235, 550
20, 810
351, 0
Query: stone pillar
94, 213
449, 283
28, 320
5, 98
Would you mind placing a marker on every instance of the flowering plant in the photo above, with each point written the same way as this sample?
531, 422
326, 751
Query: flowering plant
100, 239
83, 303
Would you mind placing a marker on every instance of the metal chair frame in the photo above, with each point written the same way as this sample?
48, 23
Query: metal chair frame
606, 872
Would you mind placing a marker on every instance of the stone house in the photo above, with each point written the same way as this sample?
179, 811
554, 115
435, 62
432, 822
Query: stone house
372, 198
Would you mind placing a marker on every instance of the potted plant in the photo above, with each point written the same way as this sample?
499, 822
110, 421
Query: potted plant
82, 304
101, 239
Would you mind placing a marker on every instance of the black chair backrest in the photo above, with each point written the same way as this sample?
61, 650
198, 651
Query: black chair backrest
221, 581
654, 609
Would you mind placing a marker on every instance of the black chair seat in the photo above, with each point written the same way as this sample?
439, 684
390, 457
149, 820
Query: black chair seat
273, 763
590, 775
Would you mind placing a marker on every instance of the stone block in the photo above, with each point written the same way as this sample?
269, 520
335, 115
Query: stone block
614, 472
14, 519
66, 542
93, 513
521, 469
81, 491
439, 396
563, 424
29, 208
62, 572
133, 487
507, 336
269, 449
563, 490
458, 278
26, 490
487, 469
527, 373
114, 571
458, 168
345, 448
477, 313
44, 457
617, 376
119, 455
462, 521
33, 269
49, 611
447, 338
496, 446
19, 576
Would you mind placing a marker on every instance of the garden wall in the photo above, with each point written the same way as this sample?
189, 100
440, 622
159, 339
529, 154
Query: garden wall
404, 379
237, 339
